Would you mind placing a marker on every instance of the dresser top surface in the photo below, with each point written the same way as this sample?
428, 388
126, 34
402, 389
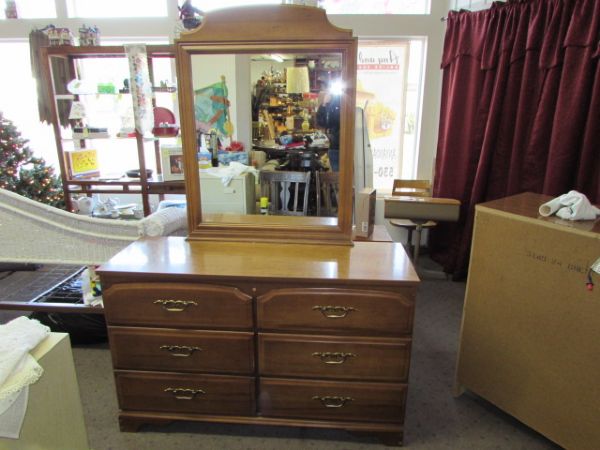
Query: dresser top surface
526, 206
369, 261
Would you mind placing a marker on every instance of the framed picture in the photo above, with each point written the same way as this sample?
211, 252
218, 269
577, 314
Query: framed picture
83, 163
172, 162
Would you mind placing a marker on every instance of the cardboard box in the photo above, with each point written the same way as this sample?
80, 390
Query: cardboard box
365, 212
530, 336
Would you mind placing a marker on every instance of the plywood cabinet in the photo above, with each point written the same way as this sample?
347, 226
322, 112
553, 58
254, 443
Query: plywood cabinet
238, 197
530, 335
262, 334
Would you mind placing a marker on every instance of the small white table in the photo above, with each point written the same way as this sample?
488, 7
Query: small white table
421, 210
54, 417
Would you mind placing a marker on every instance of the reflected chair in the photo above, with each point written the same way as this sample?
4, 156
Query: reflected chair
327, 186
257, 131
287, 192
412, 188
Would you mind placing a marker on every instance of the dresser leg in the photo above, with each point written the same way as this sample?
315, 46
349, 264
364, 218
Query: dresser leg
132, 424
389, 439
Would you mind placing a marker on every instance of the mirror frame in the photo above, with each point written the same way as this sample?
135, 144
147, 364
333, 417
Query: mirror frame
268, 29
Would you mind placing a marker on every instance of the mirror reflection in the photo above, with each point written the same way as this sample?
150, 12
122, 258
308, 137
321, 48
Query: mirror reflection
268, 132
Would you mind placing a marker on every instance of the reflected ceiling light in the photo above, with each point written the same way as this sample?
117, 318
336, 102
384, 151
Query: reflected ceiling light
336, 87
277, 58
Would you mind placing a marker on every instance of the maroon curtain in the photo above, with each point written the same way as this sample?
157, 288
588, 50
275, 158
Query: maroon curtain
520, 110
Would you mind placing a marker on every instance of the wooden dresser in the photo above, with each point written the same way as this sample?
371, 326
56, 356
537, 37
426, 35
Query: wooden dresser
274, 334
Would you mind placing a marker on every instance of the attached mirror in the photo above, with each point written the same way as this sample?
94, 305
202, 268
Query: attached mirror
267, 94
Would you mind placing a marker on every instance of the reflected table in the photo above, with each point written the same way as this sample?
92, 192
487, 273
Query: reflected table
282, 152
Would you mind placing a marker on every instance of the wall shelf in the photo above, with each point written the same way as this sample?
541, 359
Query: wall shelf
144, 186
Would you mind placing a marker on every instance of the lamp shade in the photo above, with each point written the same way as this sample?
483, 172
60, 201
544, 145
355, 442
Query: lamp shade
297, 80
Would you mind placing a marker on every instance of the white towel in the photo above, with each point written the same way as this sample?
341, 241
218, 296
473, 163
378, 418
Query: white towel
163, 222
18, 369
570, 206
12, 419
227, 173
549, 208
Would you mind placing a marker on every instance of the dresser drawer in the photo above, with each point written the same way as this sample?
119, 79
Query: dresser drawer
185, 393
339, 311
371, 402
329, 357
182, 350
178, 305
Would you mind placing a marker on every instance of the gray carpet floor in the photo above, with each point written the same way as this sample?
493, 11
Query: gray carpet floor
434, 418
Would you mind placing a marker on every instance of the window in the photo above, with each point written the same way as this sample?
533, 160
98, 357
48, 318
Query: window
389, 75
18, 101
472, 5
376, 6
34, 9
115, 112
334, 6
116, 8
210, 5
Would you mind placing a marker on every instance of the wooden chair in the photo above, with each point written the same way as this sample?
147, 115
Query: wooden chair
327, 185
287, 192
412, 188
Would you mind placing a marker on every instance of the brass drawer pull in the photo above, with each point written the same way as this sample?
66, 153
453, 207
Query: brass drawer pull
333, 357
334, 312
180, 350
333, 402
175, 305
184, 394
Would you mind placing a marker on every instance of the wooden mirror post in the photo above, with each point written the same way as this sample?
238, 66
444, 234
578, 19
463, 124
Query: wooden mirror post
259, 30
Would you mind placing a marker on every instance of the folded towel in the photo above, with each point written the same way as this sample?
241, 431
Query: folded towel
570, 206
17, 367
11, 419
163, 222
227, 173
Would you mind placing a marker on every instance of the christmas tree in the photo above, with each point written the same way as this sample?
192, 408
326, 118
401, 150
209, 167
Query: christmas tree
23, 173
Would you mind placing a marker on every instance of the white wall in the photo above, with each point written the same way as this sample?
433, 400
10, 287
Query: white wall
208, 69
244, 100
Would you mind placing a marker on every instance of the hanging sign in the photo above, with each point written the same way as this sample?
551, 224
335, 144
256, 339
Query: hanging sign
381, 87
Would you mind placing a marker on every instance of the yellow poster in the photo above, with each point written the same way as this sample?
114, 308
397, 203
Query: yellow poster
83, 161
